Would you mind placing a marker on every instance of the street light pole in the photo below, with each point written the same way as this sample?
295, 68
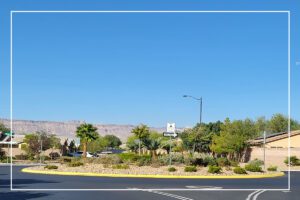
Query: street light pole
200, 101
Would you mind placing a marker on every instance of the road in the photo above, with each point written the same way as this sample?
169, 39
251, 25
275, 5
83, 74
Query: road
26, 181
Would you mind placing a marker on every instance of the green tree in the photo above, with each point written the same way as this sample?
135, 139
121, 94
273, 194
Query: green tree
35, 141
141, 132
153, 143
3, 129
132, 143
112, 141
72, 146
233, 138
87, 133
54, 142
278, 123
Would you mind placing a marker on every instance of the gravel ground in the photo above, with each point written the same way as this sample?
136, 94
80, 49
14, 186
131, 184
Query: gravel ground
163, 170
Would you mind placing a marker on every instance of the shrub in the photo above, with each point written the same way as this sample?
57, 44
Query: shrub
190, 168
51, 167
54, 155
213, 169
144, 160
294, 161
172, 169
66, 160
222, 162
234, 163
239, 170
209, 160
120, 166
109, 160
128, 157
75, 164
272, 168
256, 162
253, 167
21, 157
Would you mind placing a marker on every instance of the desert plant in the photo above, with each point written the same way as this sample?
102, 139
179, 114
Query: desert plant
294, 161
222, 162
213, 169
239, 170
209, 160
75, 164
190, 168
172, 169
272, 168
253, 167
51, 167
109, 160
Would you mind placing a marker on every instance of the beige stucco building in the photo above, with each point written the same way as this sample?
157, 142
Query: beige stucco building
276, 148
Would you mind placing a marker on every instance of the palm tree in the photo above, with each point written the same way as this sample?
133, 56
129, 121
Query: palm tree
141, 132
87, 133
153, 142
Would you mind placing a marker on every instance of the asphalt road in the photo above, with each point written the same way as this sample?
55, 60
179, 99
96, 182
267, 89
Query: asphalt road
26, 181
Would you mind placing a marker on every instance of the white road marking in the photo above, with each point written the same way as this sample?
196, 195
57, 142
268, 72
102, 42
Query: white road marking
251, 194
203, 187
170, 195
256, 195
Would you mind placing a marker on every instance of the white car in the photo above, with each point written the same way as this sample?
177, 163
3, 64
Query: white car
79, 154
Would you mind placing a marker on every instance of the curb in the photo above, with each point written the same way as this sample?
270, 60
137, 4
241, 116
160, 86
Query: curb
26, 170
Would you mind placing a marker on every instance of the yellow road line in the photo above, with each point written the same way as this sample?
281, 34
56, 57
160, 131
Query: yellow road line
27, 170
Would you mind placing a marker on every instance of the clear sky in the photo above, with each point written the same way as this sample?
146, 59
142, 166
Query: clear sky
131, 68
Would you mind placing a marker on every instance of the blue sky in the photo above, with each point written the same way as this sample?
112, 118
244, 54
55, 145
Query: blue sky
131, 68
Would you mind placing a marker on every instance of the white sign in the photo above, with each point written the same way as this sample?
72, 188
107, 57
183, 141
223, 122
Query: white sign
171, 127
169, 134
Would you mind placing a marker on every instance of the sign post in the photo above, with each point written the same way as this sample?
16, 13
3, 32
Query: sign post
171, 132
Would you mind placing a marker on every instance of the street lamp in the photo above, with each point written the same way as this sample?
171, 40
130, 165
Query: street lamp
200, 101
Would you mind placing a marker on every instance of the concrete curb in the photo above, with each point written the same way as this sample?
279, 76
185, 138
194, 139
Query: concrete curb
27, 170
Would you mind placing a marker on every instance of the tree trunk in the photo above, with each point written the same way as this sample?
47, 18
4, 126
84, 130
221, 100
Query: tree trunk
84, 149
139, 147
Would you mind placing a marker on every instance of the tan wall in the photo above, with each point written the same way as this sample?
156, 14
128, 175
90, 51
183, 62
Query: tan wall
274, 156
283, 143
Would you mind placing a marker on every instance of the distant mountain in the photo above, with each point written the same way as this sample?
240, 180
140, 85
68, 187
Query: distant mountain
68, 128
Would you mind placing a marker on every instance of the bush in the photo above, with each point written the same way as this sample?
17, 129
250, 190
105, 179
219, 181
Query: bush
172, 169
190, 168
51, 167
128, 157
272, 169
66, 160
253, 167
222, 162
120, 166
109, 160
294, 161
209, 160
22, 157
234, 163
213, 169
256, 162
144, 160
54, 155
75, 164
239, 170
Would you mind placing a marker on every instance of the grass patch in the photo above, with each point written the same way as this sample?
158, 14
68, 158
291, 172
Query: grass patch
272, 168
120, 166
172, 169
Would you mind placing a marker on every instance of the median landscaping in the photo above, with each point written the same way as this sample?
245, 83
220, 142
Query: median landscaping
133, 165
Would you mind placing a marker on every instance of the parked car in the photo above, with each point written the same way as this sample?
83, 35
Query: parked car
109, 151
79, 154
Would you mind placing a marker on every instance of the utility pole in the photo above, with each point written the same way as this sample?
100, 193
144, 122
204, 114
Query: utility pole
264, 150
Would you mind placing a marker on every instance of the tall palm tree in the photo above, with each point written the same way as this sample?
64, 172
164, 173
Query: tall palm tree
87, 133
142, 132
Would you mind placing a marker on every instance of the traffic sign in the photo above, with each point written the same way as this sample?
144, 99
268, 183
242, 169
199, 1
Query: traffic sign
171, 127
170, 134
